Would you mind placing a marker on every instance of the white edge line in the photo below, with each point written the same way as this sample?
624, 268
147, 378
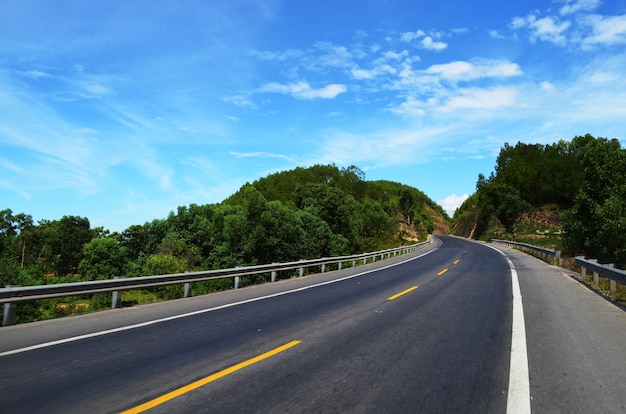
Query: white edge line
198, 312
518, 398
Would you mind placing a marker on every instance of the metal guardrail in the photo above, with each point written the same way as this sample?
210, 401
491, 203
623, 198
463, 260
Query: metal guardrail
543, 251
602, 270
10, 296
599, 270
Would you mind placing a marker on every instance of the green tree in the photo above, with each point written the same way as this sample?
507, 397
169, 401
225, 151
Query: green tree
103, 258
73, 233
596, 224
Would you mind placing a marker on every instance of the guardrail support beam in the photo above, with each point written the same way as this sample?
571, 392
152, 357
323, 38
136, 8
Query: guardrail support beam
116, 300
10, 314
187, 291
612, 283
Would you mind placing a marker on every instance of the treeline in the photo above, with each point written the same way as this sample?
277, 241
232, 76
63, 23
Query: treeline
584, 177
300, 214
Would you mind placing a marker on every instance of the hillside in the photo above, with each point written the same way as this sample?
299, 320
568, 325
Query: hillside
569, 195
331, 192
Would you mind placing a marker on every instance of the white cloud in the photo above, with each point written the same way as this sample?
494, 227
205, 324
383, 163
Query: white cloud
427, 42
282, 56
240, 100
302, 90
410, 36
335, 56
465, 71
575, 6
410, 107
34, 74
359, 73
260, 154
476, 98
547, 29
547, 86
430, 44
452, 202
605, 30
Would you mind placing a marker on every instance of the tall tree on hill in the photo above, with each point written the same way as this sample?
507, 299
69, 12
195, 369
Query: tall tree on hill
596, 224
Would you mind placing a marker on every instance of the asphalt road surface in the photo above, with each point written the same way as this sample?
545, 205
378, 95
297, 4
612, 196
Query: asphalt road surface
428, 332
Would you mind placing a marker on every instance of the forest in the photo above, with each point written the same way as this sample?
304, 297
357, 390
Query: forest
583, 180
304, 213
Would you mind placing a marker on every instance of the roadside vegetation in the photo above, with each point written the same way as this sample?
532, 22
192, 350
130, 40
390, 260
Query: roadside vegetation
570, 196
305, 213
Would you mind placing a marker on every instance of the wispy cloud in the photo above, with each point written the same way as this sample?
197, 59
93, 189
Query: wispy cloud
261, 154
477, 98
302, 90
467, 71
609, 30
575, 6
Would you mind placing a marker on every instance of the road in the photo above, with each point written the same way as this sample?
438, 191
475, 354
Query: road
427, 332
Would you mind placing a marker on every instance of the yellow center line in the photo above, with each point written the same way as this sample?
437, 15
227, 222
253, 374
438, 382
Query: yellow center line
197, 384
404, 292
442, 272
456, 261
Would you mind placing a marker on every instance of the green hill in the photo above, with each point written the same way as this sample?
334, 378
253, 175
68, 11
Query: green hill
569, 195
370, 214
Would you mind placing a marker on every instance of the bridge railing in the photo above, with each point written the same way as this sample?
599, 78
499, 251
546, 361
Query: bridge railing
10, 296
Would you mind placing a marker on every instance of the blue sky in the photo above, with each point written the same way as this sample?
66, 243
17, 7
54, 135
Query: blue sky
120, 111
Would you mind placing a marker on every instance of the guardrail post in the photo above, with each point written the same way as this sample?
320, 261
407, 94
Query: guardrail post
323, 267
339, 266
301, 269
9, 314
187, 290
612, 283
273, 277
353, 263
596, 275
116, 300
237, 279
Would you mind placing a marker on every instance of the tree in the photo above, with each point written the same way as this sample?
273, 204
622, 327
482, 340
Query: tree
73, 233
407, 203
596, 224
103, 258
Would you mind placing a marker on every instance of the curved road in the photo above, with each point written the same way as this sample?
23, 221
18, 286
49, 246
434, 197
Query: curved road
426, 332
